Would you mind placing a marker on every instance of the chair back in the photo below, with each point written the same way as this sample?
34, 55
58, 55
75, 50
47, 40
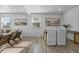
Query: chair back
13, 35
5, 39
19, 34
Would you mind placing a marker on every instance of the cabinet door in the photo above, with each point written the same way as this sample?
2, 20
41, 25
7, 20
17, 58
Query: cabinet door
51, 37
61, 37
76, 38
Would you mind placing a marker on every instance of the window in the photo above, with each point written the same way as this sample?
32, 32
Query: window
5, 24
36, 22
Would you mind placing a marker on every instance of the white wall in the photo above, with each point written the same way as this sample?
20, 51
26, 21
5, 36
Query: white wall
34, 31
28, 30
13, 16
72, 17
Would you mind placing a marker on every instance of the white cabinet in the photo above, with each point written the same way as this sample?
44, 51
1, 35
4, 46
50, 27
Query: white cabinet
51, 37
56, 37
61, 37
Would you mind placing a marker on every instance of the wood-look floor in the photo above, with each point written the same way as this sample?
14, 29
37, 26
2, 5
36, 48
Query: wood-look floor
39, 46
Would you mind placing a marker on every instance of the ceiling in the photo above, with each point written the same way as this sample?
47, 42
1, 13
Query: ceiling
35, 8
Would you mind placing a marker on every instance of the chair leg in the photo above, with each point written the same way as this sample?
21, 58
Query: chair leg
10, 43
15, 41
19, 38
